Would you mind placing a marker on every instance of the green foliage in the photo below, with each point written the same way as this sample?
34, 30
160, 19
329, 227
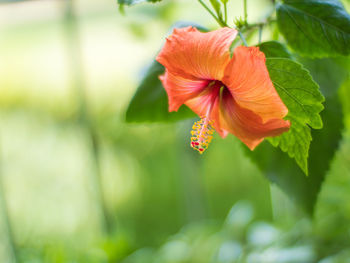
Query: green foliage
312, 28
315, 28
274, 49
167, 203
284, 172
296, 142
133, 2
303, 99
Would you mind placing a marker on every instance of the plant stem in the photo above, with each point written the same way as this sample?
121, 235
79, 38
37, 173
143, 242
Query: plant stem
245, 26
245, 11
220, 22
5, 215
76, 65
243, 39
260, 33
225, 9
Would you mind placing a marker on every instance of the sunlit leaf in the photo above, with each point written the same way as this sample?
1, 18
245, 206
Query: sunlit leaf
315, 28
303, 99
217, 7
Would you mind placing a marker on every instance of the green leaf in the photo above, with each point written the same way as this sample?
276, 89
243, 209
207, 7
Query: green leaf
296, 142
297, 89
133, 2
285, 173
315, 28
281, 169
150, 102
274, 49
303, 99
217, 7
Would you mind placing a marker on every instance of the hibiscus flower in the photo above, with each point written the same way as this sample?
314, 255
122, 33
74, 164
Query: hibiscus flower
230, 94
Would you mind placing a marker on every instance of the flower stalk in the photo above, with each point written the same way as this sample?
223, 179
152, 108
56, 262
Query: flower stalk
243, 38
217, 19
241, 25
245, 11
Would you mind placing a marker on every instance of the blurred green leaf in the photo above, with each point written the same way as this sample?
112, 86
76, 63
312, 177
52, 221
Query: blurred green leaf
217, 7
274, 49
133, 2
303, 99
315, 28
150, 103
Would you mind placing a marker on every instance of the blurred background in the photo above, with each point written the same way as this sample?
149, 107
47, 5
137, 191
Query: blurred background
78, 184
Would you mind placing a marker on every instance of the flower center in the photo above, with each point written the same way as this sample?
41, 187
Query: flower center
202, 130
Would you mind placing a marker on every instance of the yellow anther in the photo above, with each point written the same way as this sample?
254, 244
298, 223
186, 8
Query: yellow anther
201, 135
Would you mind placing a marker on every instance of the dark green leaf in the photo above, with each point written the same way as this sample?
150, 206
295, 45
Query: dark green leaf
295, 142
133, 2
274, 49
303, 99
150, 102
315, 28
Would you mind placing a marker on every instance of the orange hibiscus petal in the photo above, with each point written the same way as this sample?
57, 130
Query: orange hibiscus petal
188, 52
181, 89
247, 125
248, 80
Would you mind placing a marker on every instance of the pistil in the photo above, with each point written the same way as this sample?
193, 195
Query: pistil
202, 130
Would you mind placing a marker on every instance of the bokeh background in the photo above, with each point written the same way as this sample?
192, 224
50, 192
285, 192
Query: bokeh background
78, 184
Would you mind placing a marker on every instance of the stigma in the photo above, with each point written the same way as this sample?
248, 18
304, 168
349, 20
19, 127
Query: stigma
202, 134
